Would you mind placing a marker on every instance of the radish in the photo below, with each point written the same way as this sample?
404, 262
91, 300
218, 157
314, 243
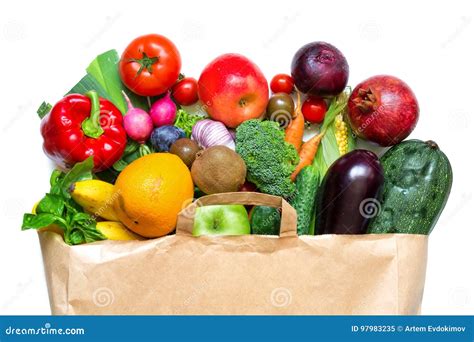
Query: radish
163, 111
137, 123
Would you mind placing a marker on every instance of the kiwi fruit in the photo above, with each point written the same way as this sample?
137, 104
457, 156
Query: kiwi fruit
218, 169
186, 150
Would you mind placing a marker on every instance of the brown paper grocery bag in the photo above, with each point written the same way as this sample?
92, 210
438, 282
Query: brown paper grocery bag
247, 274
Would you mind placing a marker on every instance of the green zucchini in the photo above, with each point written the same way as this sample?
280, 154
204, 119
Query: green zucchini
418, 179
307, 184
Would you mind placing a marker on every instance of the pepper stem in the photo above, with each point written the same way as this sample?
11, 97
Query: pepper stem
91, 126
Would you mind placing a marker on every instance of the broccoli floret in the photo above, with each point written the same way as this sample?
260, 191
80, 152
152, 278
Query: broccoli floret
270, 160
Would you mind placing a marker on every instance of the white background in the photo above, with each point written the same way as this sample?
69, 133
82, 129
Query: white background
46, 46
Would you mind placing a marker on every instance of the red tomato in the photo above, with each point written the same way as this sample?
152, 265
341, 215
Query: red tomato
314, 109
282, 83
150, 65
185, 92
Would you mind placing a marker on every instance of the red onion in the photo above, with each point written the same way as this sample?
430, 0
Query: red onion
163, 111
320, 69
209, 133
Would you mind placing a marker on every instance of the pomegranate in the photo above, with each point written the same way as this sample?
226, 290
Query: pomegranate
383, 109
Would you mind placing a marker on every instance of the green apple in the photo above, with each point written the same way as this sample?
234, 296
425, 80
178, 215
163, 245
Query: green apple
221, 220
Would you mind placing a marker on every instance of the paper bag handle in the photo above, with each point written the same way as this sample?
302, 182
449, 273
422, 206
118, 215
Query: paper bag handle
288, 213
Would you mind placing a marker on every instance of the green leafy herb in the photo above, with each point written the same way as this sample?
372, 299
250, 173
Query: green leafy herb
133, 150
186, 121
57, 207
32, 221
51, 204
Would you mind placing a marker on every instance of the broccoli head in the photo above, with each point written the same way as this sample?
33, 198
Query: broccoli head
269, 158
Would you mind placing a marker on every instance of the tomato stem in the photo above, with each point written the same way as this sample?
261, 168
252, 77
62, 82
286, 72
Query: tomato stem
145, 63
91, 126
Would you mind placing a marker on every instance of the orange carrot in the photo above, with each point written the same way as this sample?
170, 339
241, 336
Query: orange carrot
295, 130
307, 153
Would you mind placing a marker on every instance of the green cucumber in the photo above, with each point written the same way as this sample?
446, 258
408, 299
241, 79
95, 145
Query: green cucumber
418, 178
307, 184
265, 220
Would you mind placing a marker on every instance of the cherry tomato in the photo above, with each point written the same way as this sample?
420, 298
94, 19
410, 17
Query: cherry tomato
150, 65
282, 83
185, 92
314, 109
280, 108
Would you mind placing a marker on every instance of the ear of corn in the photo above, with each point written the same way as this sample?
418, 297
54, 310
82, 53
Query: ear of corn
341, 134
338, 139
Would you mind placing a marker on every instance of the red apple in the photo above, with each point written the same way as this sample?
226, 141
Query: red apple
233, 89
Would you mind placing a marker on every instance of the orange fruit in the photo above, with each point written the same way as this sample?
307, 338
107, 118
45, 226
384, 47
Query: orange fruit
151, 191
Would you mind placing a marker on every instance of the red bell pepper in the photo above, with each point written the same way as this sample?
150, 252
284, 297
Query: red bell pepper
80, 126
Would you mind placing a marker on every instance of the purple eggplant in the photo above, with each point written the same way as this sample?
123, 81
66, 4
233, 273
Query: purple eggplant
350, 193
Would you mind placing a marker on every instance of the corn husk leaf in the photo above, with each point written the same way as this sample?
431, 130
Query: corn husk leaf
328, 150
